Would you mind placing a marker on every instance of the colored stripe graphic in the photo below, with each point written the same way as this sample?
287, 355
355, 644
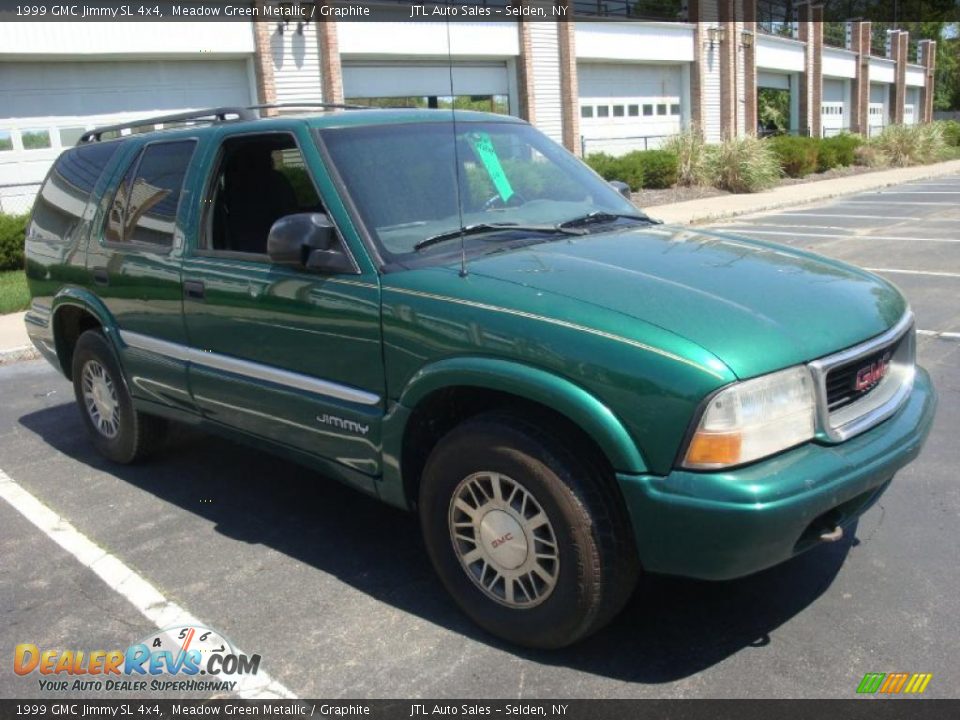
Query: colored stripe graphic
871, 682
894, 683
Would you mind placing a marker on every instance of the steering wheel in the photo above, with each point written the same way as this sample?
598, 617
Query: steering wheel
496, 201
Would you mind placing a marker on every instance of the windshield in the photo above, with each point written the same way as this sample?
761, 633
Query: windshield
403, 181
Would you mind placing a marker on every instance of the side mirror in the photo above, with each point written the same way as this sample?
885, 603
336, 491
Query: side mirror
621, 187
308, 240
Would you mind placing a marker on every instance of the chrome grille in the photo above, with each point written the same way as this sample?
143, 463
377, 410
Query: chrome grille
842, 410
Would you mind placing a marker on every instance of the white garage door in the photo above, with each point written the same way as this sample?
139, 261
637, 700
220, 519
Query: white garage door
371, 80
47, 105
833, 110
628, 107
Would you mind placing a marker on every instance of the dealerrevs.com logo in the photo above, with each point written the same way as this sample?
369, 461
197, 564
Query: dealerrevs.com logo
178, 659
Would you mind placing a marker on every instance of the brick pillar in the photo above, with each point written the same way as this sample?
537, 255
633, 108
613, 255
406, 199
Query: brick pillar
331, 75
728, 68
928, 50
694, 16
811, 79
750, 67
263, 64
569, 89
860, 90
525, 91
899, 45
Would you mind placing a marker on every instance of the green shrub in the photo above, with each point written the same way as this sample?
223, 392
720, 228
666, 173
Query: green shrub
951, 132
659, 168
869, 155
797, 155
838, 151
639, 169
743, 165
691, 153
911, 144
617, 168
12, 231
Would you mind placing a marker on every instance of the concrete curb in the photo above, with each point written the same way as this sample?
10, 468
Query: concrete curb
18, 354
712, 209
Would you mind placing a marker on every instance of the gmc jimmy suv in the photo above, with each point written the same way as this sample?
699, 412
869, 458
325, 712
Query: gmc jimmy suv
452, 313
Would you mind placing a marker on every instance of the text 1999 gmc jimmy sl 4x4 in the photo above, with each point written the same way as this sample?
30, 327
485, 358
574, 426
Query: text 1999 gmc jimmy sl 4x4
454, 314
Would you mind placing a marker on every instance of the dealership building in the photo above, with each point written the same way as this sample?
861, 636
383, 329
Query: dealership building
591, 82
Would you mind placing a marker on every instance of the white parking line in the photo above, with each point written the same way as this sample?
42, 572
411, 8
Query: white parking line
917, 192
892, 202
854, 217
914, 272
751, 231
122, 579
944, 335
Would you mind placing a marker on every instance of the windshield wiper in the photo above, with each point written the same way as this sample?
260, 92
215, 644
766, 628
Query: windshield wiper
481, 228
600, 216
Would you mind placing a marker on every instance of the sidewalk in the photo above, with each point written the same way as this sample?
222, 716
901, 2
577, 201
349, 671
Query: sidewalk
14, 343
727, 206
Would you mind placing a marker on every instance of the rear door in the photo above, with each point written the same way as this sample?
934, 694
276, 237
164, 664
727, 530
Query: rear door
287, 354
134, 259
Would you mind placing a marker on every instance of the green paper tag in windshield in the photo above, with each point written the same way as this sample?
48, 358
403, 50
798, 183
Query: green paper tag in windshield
483, 146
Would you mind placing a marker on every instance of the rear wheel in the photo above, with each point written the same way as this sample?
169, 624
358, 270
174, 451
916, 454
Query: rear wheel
119, 432
531, 540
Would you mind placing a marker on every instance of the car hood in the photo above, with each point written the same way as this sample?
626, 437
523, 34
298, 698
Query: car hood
757, 306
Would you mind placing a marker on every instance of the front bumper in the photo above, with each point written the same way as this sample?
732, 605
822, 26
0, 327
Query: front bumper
723, 525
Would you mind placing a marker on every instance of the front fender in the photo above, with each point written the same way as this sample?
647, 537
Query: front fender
569, 399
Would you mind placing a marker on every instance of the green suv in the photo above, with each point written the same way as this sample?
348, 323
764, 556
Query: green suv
455, 315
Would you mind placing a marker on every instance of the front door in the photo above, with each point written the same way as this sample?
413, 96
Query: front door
284, 353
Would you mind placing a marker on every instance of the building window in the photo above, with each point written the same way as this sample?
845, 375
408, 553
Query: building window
6, 140
603, 111
662, 109
675, 109
35, 139
618, 110
647, 110
633, 110
69, 136
586, 111
484, 103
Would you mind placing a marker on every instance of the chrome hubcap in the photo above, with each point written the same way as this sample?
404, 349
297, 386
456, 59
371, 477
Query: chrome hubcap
504, 540
100, 397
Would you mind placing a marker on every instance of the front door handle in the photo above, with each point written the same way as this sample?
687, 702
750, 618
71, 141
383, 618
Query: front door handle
193, 289
101, 276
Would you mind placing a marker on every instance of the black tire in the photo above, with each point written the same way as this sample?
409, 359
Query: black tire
598, 567
136, 434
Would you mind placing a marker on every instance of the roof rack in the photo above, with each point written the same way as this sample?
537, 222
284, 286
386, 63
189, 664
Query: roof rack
215, 115
321, 105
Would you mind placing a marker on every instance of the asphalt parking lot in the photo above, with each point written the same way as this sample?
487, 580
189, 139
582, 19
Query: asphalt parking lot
335, 591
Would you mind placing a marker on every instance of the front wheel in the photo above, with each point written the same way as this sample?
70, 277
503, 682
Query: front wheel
531, 540
119, 432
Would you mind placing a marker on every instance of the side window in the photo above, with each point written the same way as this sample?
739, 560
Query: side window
144, 209
259, 179
63, 197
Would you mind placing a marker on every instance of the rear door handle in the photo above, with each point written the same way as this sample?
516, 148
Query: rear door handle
101, 276
193, 289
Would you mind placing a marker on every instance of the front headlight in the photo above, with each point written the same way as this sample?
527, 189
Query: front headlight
750, 420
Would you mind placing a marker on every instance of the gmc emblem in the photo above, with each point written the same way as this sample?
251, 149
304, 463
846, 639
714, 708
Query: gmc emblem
873, 373
501, 540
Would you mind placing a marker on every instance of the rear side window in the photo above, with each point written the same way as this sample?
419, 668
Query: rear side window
144, 209
60, 203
